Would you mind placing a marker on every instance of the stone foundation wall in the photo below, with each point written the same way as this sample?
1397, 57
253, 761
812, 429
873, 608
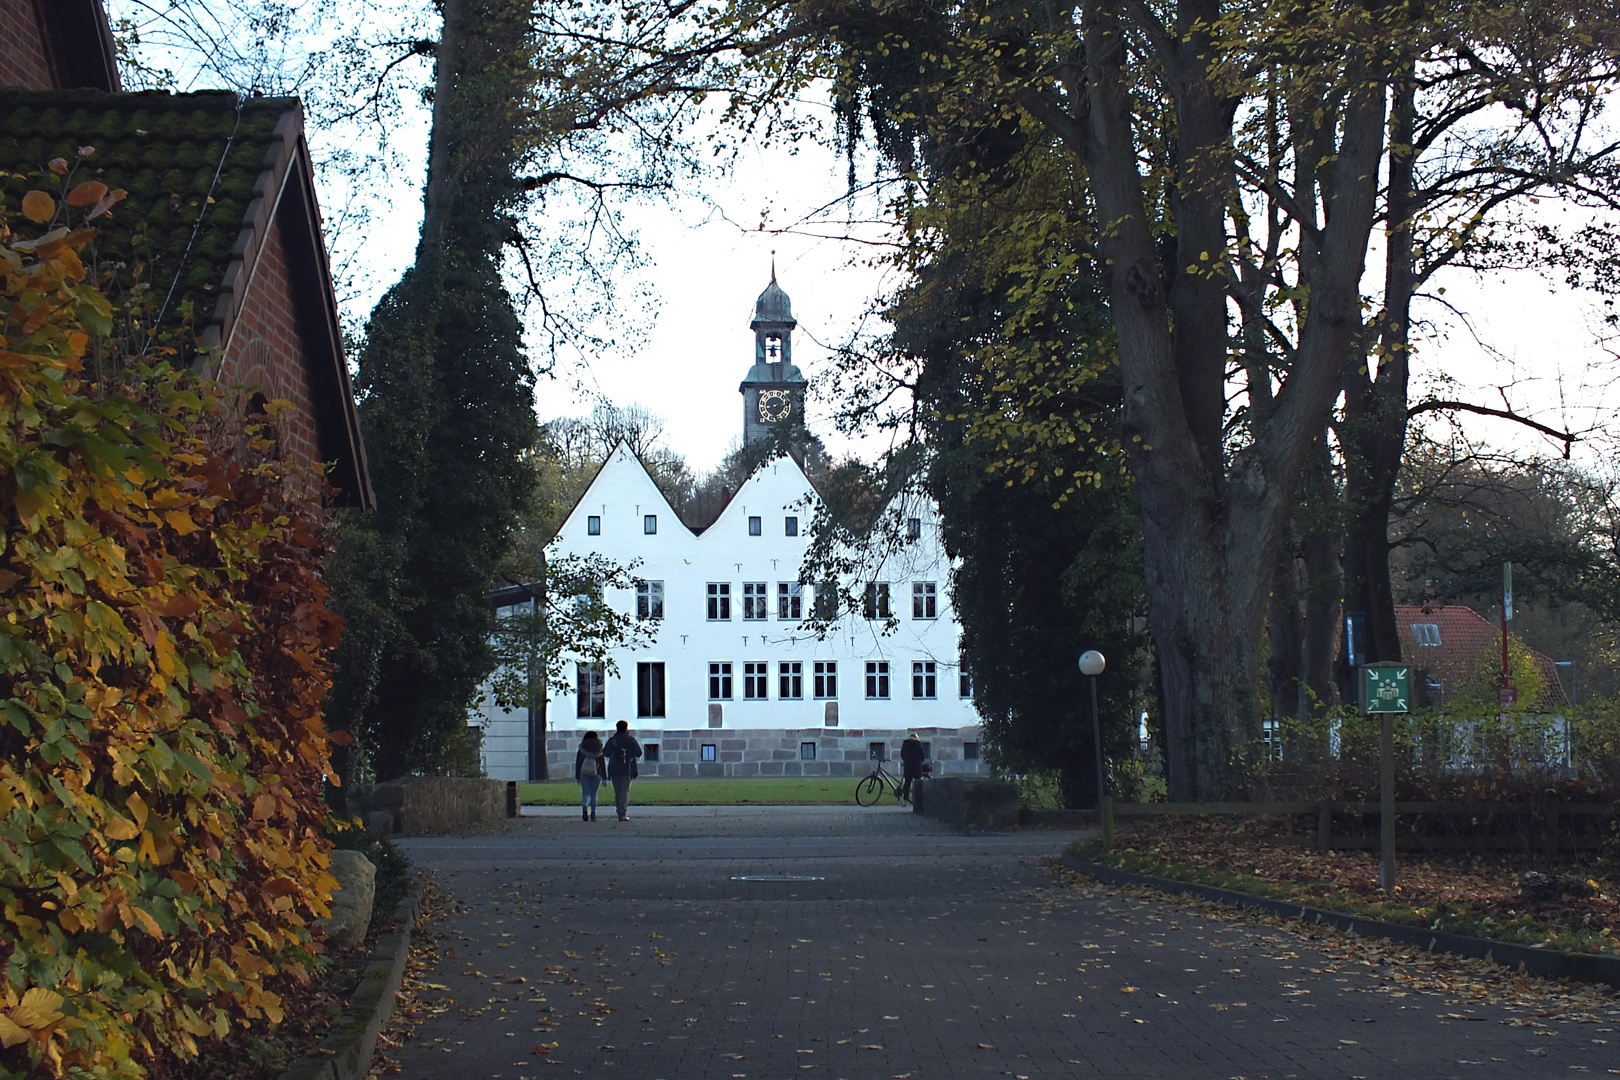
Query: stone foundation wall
773, 751
427, 805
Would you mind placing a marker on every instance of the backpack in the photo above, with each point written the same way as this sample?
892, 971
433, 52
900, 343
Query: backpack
588, 766
622, 757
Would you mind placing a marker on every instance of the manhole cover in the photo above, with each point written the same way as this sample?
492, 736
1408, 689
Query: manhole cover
777, 877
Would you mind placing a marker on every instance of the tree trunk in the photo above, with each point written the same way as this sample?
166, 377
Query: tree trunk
1375, 416
441, 139
1285, 625
1212, 531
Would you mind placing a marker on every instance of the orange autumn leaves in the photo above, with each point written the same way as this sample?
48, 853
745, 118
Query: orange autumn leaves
163, 657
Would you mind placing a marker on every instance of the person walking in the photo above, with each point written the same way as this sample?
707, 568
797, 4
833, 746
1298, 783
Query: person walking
911, 764
589, 768
621, 751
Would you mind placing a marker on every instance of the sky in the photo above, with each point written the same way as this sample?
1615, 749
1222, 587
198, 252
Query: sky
680, 335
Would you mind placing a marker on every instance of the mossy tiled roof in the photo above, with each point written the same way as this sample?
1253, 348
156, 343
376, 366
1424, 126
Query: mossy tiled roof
172, 153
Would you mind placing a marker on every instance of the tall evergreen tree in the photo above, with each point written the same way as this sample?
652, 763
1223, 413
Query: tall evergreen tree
448, 413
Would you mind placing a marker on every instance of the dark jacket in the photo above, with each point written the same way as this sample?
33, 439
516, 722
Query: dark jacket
622, 751
593, 748
911, 759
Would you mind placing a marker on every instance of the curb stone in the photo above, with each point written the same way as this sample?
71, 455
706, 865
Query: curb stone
345, 1053
1544, 962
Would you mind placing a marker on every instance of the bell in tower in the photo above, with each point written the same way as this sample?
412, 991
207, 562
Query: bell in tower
773, 392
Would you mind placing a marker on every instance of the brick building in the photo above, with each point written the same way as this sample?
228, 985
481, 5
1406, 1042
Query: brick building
221, 221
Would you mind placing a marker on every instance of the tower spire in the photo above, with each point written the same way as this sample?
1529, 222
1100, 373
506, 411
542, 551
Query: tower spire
774, 390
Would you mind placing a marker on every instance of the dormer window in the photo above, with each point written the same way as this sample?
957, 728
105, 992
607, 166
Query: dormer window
1426, 633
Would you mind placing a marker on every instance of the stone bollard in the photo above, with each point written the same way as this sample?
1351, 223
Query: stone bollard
352, 900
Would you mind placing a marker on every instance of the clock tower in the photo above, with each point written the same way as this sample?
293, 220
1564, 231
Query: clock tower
773, 392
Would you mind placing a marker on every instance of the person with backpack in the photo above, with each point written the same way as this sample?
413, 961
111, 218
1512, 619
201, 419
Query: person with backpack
589, 765
621, 751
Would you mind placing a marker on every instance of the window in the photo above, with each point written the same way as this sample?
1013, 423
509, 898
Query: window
923, 681
877, 751
649, 524
591, 679
756, 527
649, 753
790, 680
1426, 633
650, 689
756, 674
706, 752
876, 602
719, 601
827, 600
924, 600
593, 525
720, 682
649, 599
964, 684
789, 600
790, 526
913, 528
807, 751
826, 678
970, 751
877, 678
755, 599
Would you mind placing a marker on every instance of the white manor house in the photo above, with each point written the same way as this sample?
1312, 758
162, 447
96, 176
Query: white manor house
733, 683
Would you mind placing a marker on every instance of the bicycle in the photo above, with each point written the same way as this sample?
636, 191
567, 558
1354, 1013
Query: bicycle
870, 789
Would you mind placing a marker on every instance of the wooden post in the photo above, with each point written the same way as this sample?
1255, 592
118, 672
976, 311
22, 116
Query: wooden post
1324, 826
1552, 828
1386, 801
1108, 824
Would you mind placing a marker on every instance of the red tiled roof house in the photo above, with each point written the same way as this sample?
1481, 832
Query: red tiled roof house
1448, 644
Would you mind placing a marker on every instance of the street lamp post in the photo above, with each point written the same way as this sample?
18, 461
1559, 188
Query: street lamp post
1092, 665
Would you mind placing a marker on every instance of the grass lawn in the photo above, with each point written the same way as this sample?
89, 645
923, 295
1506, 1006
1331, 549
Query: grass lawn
771, 791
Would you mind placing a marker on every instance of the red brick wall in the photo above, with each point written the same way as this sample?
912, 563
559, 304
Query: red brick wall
267, 352
22, 47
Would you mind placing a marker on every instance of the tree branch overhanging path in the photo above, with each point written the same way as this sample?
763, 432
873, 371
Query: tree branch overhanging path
1233, 161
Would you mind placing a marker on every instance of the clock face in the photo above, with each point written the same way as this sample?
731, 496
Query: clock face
774, 405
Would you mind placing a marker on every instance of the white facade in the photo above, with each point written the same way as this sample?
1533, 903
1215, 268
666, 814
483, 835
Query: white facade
740, 672
732, 681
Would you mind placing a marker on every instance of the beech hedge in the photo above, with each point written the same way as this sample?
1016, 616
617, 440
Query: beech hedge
163, 656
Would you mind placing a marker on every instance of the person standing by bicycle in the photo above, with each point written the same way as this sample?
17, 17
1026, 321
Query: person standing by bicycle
911, 764
621, 751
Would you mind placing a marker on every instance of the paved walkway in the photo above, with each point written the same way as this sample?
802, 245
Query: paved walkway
766, 943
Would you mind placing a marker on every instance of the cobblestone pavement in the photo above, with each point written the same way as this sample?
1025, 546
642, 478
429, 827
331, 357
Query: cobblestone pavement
767, 943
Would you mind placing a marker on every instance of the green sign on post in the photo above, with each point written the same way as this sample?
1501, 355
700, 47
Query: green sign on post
1386, 688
